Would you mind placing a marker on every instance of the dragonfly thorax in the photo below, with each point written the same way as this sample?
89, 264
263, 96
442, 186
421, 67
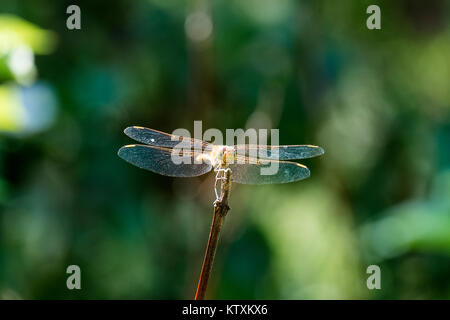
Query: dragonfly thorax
222, 155
218, 156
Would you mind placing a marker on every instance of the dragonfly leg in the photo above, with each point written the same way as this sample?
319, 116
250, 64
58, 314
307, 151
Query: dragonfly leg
220, 175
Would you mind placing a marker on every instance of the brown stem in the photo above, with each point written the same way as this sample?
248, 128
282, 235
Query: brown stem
220, 211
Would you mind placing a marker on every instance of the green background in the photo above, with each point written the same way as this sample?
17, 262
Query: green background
377, 101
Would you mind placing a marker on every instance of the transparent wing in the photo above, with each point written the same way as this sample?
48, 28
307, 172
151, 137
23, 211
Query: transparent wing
267, 171
162, 139
159, 160
279, 152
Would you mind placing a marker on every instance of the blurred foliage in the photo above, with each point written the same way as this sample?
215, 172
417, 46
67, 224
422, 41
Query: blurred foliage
30, 108
377, 101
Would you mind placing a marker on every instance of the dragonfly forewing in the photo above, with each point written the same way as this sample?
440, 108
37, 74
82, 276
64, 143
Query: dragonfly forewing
288, 152
162, 139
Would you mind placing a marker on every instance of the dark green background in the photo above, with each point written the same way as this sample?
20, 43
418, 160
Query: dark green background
377, 101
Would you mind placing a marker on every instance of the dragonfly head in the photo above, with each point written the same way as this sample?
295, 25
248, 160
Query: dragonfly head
227, 155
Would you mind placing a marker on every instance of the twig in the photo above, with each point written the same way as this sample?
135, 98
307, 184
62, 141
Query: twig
220, 211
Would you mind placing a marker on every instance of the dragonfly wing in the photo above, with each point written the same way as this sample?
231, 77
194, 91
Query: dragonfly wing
289, 152
268, 171
159, 160
162, 139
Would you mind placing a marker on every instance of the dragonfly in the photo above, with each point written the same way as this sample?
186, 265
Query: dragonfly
198, 157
